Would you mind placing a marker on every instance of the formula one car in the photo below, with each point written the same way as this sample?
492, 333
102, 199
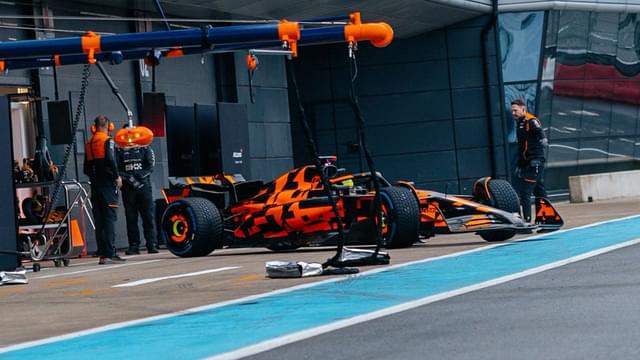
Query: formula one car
208, 213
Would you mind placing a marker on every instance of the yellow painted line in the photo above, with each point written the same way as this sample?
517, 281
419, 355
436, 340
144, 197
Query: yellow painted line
6, 291
251, 277
88, 292
63, 282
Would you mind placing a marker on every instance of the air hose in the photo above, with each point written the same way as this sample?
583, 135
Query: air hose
353, 257
362, 140
86, 72
314, 152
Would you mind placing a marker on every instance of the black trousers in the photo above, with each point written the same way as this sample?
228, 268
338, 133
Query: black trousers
531, 179
139, 202
104, 199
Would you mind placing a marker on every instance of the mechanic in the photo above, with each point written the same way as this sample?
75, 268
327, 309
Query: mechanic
100, 166
530, 167
135, 164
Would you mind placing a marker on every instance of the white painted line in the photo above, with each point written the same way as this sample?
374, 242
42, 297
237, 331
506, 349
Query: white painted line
305, 334
120, 325
101, 268
151, 280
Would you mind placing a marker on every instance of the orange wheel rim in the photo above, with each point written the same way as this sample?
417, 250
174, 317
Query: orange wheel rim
179, 228
383, 220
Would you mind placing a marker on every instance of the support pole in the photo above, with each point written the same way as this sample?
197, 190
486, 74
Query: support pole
116, 92
166, 24
55, 83
164, 18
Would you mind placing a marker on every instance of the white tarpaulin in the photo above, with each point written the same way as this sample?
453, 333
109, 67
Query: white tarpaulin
292, 269
13, 277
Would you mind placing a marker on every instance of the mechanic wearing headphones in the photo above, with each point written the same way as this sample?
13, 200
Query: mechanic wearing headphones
100, 166
531, 144
136, 163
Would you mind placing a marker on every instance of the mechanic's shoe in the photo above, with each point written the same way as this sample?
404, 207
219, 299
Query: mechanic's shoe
152, 250
132, 252
117, 259
110, 260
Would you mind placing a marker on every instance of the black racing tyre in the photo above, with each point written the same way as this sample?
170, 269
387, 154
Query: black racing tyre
29, 208
505, 198
400, 217
192, 227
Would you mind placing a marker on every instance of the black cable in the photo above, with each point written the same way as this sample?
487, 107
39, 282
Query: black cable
252, 95
86, 72
314, 152
114, 88
166, 24
153, 78
55, 82
360, 126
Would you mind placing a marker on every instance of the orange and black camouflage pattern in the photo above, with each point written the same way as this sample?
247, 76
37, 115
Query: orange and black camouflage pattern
295, 202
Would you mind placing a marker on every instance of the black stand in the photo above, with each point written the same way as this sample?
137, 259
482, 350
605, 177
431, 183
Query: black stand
9, 258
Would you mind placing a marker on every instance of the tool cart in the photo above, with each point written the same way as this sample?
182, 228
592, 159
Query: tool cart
61, 236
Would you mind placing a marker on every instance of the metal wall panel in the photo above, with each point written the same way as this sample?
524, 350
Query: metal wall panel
424, 102
267, 102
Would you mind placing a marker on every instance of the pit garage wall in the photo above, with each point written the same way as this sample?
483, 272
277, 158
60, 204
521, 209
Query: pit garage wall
99, 99
269, 121
18, 77
424, 102
185, 81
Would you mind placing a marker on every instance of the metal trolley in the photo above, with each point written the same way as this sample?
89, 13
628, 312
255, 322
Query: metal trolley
61, 240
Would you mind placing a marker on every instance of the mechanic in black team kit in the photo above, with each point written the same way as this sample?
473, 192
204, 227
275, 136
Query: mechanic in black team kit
135, 164
530, 168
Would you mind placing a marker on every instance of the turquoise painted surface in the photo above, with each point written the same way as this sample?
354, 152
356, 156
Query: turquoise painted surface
234, 326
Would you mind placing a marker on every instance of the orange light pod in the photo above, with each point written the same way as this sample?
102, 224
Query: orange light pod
134, 136
177, 52
252, 62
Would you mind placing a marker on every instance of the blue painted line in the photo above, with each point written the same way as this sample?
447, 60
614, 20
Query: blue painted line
233, 326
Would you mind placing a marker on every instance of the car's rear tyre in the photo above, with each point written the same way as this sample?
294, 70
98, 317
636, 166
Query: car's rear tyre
400, 217
192, 227
504, 197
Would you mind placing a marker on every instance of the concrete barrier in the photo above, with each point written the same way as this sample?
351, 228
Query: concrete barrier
585, 188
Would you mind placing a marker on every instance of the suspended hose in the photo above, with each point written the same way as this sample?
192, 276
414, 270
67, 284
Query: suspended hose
314, 152
252, 95
86, 72
360, 125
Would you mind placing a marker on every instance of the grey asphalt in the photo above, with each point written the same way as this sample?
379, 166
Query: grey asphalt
62, 300
585, 310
